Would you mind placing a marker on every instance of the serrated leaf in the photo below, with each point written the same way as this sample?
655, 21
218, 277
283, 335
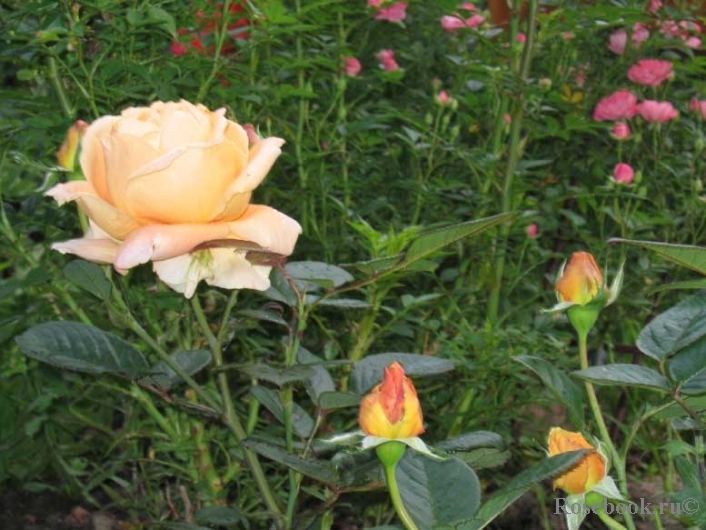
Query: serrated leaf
678, 328
368, 372
320, 470
338, 400
688, 256
625, 374
514, 489
430, 489
559, 384
302, 423
221, 516
472, 440
267, 316
192, 361
319, 273
484, 457
278, 376
83, 348
89, 277
431, 242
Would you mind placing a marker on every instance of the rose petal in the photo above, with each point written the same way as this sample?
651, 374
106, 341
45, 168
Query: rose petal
91, 249
70, 191
219, 267
91, 159
267, 227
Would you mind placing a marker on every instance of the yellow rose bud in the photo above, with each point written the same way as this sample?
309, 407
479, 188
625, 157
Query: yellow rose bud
66, 155
391, 409
583, 476
581, 280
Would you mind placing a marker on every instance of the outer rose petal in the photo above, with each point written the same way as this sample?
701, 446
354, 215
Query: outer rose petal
63, 193
267, 227
91, 158
220, 267
163, 242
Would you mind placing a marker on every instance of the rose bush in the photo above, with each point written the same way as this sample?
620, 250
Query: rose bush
171, 183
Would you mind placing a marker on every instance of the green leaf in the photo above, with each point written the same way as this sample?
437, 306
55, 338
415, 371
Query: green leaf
191, 362
302, 423
343, 303
688, 256
84, 348
338, 400
514, 489
472, 440
89, 277
427, 244
278, 376
368, 372
321, 470
267, 316
163, 19
320, 380
625, 374
678, 328
318, 273
559, 384
221, 516
430, 489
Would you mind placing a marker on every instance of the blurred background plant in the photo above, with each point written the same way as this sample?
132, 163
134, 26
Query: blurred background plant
396, 120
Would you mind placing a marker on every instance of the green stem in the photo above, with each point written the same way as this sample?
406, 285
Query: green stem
58, 87
402, 512
610, 522
220, 40
515, 150
229, 416
618, 463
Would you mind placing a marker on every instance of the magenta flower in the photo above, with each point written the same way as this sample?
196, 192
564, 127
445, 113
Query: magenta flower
351, 66
387, 60
620, 131
617, 42
619, 105
623, 173
650, 72
656, 111
396, 12
640, 33
451, 23
531, 230
698, 106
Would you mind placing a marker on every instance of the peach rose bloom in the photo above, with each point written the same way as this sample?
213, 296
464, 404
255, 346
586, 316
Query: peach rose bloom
171, 184
589, 471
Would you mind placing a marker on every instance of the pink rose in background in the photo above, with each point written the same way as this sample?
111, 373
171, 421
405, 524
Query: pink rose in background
475, 21
507, 118
657, 111
693, 43
468, 6
374, 3
698, 106
532, 230
669, 28
387, 60
650, 72
352, 66
619, 105
654, 5
443, 98
567, 36
620, 131
450, 23
521, 38
396, 12
640, 33
623, 173
617, 42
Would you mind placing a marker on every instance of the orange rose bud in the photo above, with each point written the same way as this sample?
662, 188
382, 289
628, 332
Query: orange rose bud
587, 473
391, 409
581, 280
66, 155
